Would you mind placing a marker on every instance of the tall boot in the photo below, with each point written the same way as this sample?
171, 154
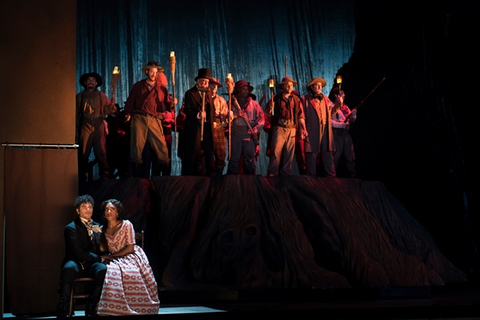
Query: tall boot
90, 310
64, 301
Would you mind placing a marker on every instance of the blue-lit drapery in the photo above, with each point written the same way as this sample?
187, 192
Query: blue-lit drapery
252, 40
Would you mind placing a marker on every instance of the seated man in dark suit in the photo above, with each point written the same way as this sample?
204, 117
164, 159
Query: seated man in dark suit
82, 257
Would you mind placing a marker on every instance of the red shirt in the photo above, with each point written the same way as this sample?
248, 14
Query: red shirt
145, 101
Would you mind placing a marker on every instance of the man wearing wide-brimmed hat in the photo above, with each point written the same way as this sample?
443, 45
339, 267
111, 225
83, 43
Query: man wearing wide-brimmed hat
92, 106
317, 108
146, 103
197, 139
287, 115
342, 116
249, 121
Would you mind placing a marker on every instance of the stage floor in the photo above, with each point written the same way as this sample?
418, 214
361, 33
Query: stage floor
405, 303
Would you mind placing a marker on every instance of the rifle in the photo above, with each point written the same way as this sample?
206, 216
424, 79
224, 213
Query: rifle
241, 114
356, 108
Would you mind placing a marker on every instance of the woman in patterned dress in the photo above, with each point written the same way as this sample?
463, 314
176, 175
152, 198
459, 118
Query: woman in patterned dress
130, 287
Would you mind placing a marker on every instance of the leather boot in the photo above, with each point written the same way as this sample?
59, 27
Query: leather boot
64, 301
91, 308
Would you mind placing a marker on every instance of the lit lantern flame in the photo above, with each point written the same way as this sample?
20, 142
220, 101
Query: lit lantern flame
271, 83
228, 81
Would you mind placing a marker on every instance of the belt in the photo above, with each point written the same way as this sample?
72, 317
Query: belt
148, 115
93, 119
288, 126
286, 123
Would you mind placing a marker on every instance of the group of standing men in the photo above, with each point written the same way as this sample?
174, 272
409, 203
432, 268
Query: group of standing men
313, 128
146, 114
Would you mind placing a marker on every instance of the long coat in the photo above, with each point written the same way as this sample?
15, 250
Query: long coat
318, 122
191, 139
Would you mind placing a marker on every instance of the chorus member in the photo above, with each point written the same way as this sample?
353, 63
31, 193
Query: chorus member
197, 138
318, 145
342, 116
221, 115
145, 105
287, 114
248, 121
92, 106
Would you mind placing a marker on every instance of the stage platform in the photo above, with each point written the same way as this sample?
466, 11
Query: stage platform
446, 302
